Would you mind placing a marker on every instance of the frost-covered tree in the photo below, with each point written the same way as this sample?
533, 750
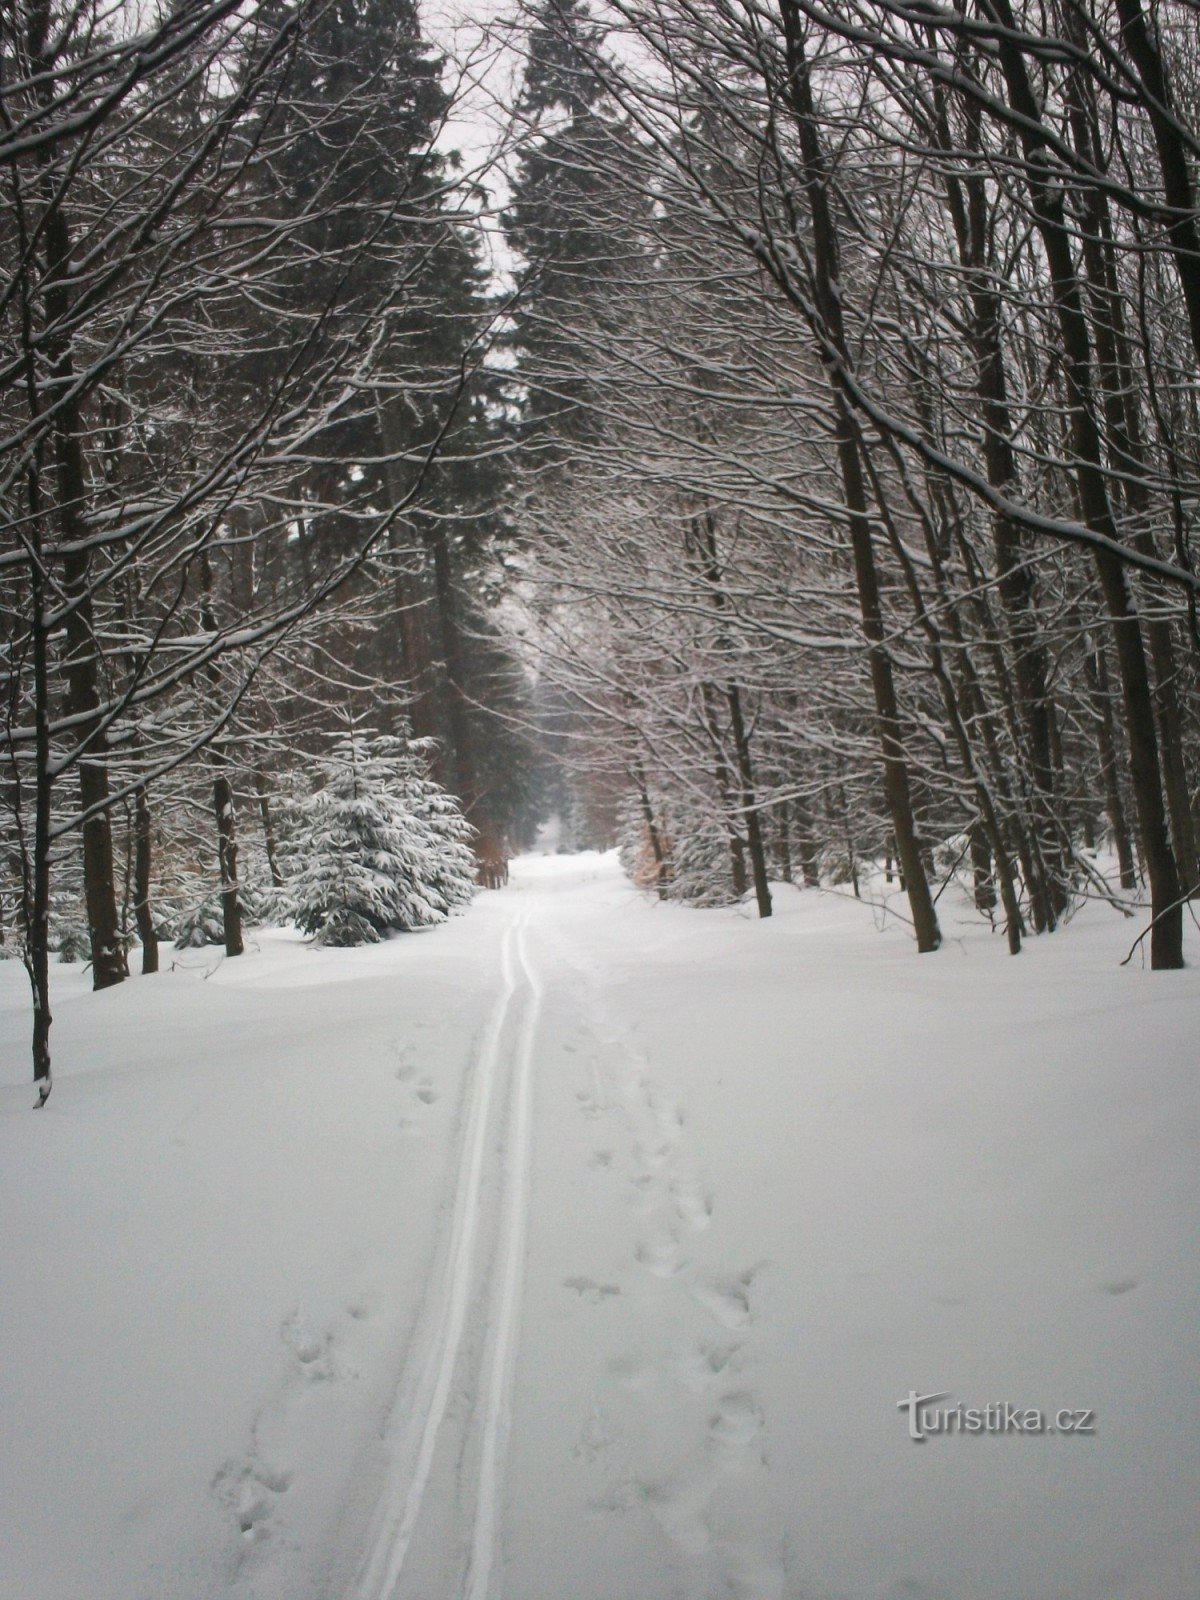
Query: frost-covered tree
379, 847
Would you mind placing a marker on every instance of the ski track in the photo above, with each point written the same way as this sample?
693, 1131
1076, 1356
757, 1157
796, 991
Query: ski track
710, 1504
507, 1323
404, 1490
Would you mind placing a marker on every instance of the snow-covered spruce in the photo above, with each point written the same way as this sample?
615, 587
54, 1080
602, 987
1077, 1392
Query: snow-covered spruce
379, 847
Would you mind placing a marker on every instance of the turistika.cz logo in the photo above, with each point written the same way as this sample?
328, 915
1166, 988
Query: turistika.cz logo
927, 1420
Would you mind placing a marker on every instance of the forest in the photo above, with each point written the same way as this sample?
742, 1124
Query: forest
774, 448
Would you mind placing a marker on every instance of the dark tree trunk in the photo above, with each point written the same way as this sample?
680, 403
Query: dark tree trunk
655, 837
806, 846
1097, 679
1127, 449
1158, 100
783, 841
981, 868
36, 875
82, 650
141, 882
827, 274
1166, 937
268, 827
724, 782
231, 910
968, 205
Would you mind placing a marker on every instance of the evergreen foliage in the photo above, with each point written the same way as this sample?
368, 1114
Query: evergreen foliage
379, 847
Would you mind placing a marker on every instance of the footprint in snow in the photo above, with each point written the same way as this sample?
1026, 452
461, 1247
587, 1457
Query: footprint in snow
591, 1291
693, 1203
426, 1093
736, 1424
249, 1490
593, 1438
312, 1350
653, 1157
700, 1368
660, 1254
728, 1299
589, 1104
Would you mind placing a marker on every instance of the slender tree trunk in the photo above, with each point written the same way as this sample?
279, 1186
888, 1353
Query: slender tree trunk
143, 843
724, 781
1183, 231
705, 530
806, 846
1166, 937
652, 833
988, 828
1101, 697
783, 841
223, 807
36, 875
82, 650
968, 205
227, 854
268, 827
981, 868
1127, 448
826, 269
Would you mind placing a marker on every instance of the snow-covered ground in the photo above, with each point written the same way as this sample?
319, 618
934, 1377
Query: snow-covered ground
582, 1250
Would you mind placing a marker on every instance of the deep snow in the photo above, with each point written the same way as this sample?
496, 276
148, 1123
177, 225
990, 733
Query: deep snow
582, 1250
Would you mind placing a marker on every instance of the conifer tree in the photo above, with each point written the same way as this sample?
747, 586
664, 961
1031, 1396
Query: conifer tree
379, 847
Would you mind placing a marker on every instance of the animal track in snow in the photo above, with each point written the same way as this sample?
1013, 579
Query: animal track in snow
249, 1490
312, 1350
701, 1367
593, 1437
660, 1253
591, 1291
692, 1201
736, 1423
589, 1104
728, 1299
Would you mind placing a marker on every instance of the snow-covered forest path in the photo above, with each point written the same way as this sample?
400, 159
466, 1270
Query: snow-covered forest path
582, 1250
622, 1332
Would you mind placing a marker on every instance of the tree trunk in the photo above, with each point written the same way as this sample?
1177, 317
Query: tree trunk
1114, 805
981, 868
1157, 98
826, 273
968, 206
656, 846
231, 910
141, 882
82, 651
806, 846
1166, 937
1127, 448
268, 827
783, 842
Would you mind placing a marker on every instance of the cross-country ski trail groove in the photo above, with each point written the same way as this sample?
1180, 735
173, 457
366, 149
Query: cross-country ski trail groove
506, 1326
465, 1270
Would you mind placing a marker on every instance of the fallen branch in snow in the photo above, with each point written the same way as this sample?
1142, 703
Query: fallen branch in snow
1184, 900
1102, 884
